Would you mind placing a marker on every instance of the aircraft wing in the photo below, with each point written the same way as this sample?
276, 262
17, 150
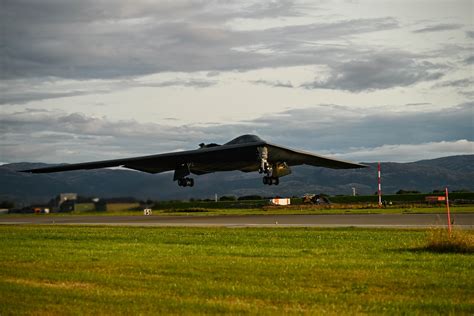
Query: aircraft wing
298, 157
203, 160
227, 157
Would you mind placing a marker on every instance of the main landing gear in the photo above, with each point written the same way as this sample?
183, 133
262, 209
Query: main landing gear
266, 168
271, 180
186, 182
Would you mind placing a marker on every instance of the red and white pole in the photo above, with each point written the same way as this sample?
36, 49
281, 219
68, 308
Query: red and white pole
380, 186
449, 214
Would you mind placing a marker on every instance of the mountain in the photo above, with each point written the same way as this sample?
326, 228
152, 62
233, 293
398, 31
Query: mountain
456, 172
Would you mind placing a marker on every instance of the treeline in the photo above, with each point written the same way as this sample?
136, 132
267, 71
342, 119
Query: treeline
249, 201
439, 191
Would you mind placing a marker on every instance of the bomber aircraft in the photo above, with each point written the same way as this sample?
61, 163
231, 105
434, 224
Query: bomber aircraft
246, 153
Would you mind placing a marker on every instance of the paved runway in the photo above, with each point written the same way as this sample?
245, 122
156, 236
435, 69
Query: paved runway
465, 221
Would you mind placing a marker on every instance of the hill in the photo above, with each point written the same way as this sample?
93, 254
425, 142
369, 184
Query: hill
456, 172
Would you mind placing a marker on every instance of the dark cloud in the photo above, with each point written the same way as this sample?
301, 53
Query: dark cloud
379, 71
438, 28
338, 128
469, 60
327, 129
462, 86
418, 104
18, 97
470, 34
51, 136
183, 83
277, 84
106, 39
273, 9
14, 93
461, 83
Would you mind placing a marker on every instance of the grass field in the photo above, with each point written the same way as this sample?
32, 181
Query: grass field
129, 270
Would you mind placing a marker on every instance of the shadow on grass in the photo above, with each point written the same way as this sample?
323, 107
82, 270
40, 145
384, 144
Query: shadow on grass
441, 241
186, 210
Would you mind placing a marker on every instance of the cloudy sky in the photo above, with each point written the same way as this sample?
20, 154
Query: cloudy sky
362, 80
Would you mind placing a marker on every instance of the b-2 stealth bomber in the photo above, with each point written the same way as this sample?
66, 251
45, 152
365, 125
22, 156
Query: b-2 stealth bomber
246, 153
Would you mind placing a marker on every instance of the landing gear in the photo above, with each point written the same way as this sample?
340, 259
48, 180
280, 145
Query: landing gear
266, 167
186, 182
271, 180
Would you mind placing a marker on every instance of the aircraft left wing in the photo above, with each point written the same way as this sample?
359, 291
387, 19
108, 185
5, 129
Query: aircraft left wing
295, 157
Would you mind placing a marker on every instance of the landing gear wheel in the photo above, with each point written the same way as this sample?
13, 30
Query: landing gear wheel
270, 180
186, 182
190, 182
265, 180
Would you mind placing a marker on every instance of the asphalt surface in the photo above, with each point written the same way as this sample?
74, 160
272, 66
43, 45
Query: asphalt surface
465, 221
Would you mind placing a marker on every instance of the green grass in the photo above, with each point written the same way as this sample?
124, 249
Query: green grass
131, 270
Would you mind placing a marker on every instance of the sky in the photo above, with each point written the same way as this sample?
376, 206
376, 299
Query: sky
361, 80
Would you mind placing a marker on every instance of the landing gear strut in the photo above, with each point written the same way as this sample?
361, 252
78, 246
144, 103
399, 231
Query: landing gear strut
186, 182
265, 167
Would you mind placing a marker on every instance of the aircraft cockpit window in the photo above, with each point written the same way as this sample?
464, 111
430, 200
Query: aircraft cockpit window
245, 139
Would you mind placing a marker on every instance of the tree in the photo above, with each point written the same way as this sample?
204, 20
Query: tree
401, 191
227, 198
7, 204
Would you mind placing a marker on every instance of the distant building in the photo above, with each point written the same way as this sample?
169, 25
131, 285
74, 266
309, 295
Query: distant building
67, 202
67, 197
280, 201
100, 205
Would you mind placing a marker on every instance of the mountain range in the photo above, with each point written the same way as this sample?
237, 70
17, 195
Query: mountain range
455, 172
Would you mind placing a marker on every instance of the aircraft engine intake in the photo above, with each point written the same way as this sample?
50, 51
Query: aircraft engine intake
280, 169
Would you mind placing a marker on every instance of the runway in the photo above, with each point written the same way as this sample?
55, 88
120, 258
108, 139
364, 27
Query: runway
464, 220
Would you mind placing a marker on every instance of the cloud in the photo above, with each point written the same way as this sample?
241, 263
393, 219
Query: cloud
326, 129
382, 70
411, 152
469, 60
195, 83
438, 28
58, 137
16, 92
335, 128
460, 83
17, 97
463, 86
470, 34
98, 39
277, 84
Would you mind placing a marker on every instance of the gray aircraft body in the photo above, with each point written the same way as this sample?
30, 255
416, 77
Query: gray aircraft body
246, 153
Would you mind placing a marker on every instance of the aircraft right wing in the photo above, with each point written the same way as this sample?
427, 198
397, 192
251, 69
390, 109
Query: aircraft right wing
209, 159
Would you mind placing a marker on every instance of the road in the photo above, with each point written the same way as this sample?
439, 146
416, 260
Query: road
465, 221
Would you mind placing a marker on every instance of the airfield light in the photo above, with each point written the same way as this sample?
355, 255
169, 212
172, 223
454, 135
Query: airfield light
447, 209
380, 186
